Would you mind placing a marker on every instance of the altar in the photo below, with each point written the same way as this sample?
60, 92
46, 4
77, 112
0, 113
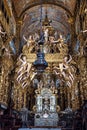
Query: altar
46, 107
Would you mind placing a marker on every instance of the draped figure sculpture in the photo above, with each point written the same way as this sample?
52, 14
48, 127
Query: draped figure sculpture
60, 40
65, 69
46, 34
23, 70
30, 43
59, 44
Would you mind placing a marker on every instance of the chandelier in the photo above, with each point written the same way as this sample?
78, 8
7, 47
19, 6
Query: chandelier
40, 63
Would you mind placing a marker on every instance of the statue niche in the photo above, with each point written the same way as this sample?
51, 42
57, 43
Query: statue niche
46, 107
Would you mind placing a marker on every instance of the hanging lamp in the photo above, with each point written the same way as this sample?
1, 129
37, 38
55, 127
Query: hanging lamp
40, 63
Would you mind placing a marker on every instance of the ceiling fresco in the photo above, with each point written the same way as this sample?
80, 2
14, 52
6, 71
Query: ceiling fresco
58, 11
57, 15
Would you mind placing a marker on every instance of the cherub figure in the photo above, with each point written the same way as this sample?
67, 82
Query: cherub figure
30, 43
59, 43
29, 40
60, 40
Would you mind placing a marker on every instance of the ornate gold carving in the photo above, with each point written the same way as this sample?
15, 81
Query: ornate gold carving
50, 58
71, 20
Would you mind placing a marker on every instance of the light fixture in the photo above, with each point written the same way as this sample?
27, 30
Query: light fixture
40, 64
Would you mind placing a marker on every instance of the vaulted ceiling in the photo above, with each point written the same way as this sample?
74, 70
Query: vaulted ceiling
22, 5
59, 11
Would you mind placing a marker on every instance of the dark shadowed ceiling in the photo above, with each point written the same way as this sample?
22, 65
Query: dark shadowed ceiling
59, 11
22, 5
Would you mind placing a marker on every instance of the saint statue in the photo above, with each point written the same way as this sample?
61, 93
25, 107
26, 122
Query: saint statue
30, 44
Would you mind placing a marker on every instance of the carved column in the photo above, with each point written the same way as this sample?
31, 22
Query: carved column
65, 96
68, 96
83, 78
6, 66
19, 97
76, 95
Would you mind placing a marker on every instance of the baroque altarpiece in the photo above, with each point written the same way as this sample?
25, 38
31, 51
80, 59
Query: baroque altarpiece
63, 84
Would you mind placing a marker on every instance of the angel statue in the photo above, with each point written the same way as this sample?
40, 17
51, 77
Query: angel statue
59, 44
29, 40
65, 69
60, 40
46, 34
24, 69
61, 69
30, 43
66, 65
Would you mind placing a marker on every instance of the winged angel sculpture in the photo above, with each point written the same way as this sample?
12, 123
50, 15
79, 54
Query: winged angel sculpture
66, 70
23, 71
